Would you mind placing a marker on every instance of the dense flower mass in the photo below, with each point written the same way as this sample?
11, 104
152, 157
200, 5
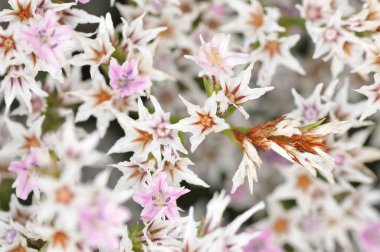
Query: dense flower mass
134, 129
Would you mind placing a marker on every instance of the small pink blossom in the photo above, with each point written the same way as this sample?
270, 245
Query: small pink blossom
215, 58
159, 197
370, 237
47, 38
83, 1
100, 223
25, 182
262, 243
126, 79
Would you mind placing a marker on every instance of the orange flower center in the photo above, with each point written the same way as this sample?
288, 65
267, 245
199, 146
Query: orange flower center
60, 239
256, 20
273, 47
281, 225
64, 195
102, 97
303, 182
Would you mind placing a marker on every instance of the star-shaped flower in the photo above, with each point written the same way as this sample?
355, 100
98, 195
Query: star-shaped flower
373, 94
253, 20
159, 198
126, 78
275, 51
311, 109
215, 58
202, 121
48, 38
235, 91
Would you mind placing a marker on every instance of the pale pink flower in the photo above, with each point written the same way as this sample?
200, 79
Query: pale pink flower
369, 237
47, 38
159, 198
126, 79
262, 243
215, 58
99, 223
26, 181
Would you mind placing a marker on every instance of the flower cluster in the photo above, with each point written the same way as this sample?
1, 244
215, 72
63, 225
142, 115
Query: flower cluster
135, 130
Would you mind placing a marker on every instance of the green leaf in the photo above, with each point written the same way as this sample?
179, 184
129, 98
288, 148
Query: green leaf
314, 125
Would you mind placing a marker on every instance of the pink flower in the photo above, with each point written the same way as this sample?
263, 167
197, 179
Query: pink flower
126, 79
369, 237
159, 198
83, 1
262, 243
215, 58
100, 223
47, 38
25, 182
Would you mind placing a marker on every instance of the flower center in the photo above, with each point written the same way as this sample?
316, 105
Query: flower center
310, 113
331, 34
273, 47
303, 182
60, 239
205, 121
160, 199
102, 96
8, 43
31, 142
214, 57
162, 131
10, 236
24, 12
340, 159
44, 38
127, 79
256, 20
64, 195
281, 225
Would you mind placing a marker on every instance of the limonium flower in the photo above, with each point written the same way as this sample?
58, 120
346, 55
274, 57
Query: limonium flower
369, 237
47, 38
159, 198
215, 58
373, 95
202, 121
98, 222
27, 173
126, 79
262, 243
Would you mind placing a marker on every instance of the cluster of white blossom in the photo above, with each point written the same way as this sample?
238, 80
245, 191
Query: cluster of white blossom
162, 70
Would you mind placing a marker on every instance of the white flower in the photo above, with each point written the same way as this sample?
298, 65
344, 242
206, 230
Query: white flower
202, 121
373, 95
134, 35
98, 101
135, 173
96, 51
177, 169
253, 21
311, 109
247, 168
275, 51
235, 91
19, 82
77, 150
